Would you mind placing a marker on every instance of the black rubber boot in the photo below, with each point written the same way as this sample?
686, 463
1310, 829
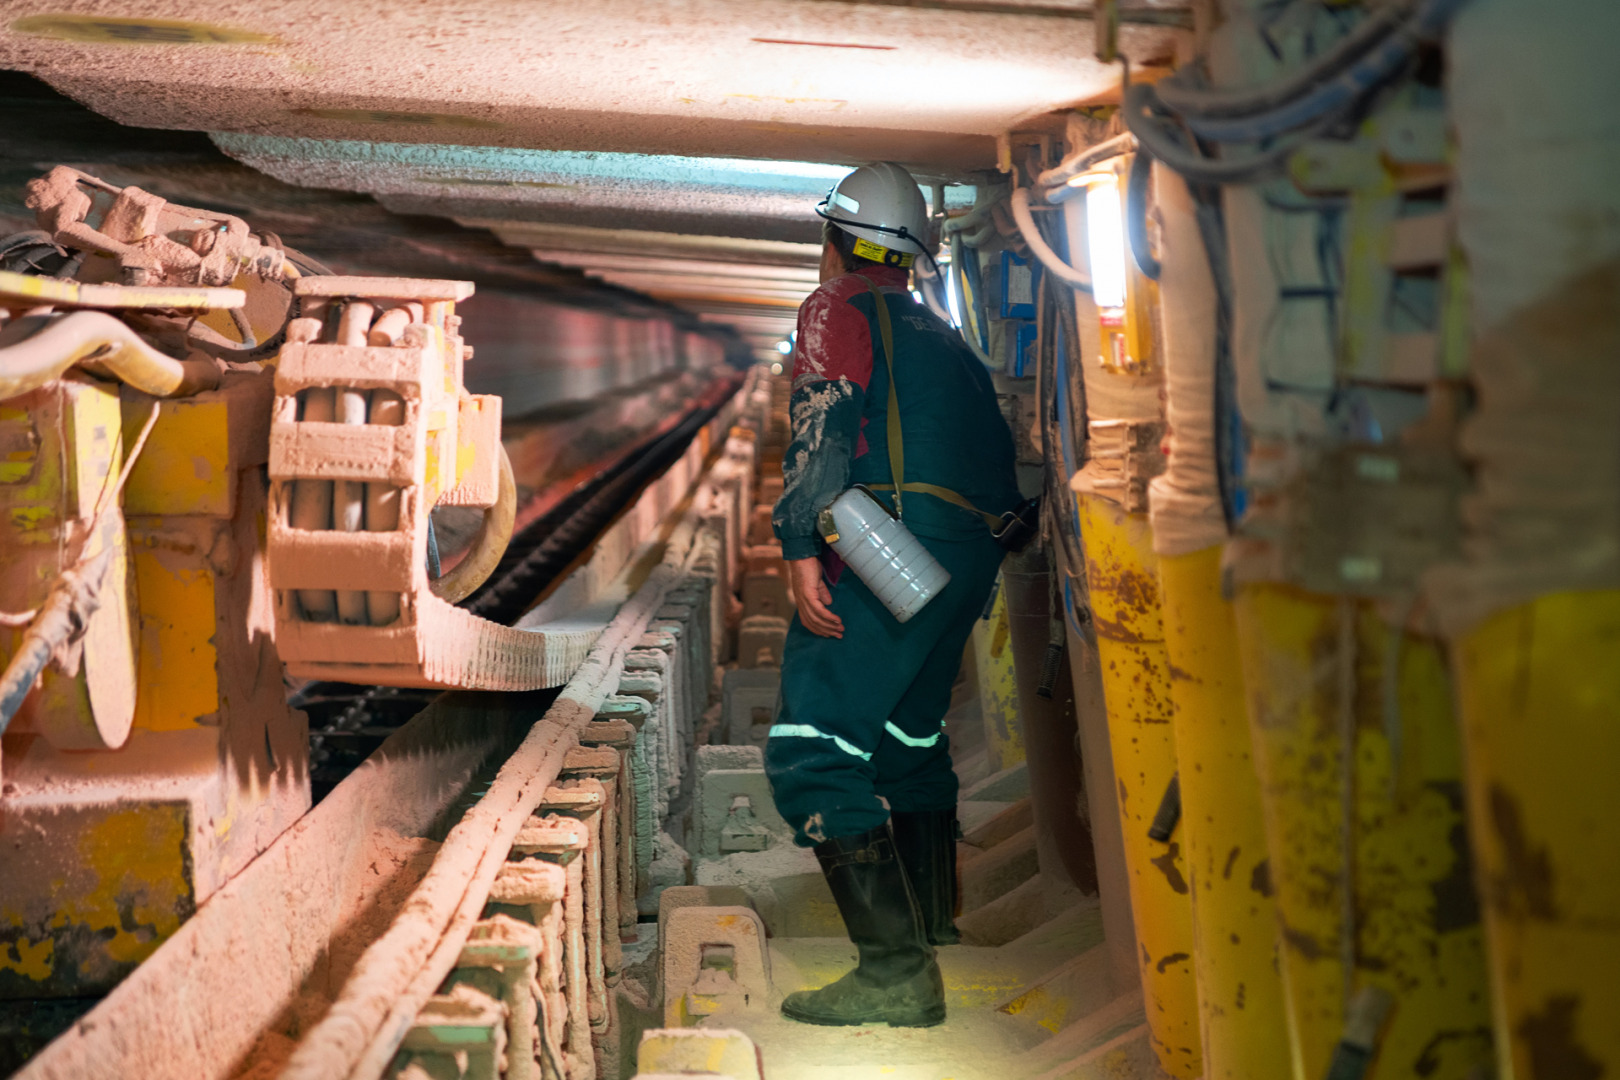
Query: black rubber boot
926, 841
897, 981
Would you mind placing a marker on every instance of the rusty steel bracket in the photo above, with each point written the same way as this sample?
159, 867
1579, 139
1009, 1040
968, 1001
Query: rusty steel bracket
153, 241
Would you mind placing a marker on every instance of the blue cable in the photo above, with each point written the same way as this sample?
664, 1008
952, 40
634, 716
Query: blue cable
1065, 431
1066, 452
1068, 607
1383, 62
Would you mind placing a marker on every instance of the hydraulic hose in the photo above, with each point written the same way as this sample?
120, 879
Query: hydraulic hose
978, 225
1019, 202
1325, 98
75, 597
1153, 136
932, 289
965, 300
35, 350
1055, 181
490, 544
974, 218
1136, 197
1180, 94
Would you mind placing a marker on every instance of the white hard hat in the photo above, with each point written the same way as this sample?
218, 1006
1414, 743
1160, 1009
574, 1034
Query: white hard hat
882, 205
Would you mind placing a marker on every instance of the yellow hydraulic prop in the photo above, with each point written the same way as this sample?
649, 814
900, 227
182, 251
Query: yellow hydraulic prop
1536, 689
998, 686
1240, 995
1123, 574
1400, 915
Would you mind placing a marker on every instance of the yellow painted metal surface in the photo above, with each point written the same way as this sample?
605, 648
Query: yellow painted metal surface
19, 444
64, 452
1318, 668
30, 290
186, 465
998, 687
1537, 688
1240, 995
720, 1053
186, 473
93, 422
179, 675
1123, 574
122, 880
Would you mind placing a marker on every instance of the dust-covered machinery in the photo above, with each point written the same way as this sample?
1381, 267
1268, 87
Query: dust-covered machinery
217, 462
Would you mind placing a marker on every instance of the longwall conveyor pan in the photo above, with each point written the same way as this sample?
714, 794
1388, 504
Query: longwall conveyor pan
314, 961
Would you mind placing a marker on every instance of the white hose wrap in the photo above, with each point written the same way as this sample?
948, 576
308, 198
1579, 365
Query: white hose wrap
1185, 501
1019, 202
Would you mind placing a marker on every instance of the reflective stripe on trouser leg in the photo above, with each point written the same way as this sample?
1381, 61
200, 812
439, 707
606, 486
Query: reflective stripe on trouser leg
835, 746
914, 770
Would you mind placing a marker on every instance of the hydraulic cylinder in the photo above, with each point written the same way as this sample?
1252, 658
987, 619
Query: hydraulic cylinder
1361, 783
1240, 994
1123, 574
1536, 689
1062, 836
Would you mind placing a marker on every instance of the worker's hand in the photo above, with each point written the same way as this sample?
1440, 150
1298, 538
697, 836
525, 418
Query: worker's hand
811, 596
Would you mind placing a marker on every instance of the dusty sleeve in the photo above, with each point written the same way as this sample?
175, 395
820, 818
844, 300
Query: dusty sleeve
831, 367
826, 420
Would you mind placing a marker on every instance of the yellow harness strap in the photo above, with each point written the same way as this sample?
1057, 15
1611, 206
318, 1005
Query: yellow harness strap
897, 450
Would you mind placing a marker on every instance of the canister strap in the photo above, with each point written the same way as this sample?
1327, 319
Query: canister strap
897, 450
994, 521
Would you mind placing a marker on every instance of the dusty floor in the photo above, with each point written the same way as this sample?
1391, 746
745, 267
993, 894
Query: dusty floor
1070, 1028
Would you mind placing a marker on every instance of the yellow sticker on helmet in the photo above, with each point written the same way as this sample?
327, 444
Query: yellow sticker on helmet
880, 254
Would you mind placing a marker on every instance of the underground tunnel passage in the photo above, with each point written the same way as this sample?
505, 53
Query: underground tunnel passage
809, 540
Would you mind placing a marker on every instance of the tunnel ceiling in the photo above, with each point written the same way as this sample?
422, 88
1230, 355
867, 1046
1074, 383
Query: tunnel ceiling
672, 149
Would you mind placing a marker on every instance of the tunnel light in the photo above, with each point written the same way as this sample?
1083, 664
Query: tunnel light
784, 346
917, 296
1105, 235
950, 296
776, 367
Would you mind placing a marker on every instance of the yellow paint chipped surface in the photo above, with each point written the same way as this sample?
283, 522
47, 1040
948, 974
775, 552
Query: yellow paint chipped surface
30, 959
123, 885
1537, 687
112, 30
1123, 575
998, 687
178, 676
1240, 995
1416, 930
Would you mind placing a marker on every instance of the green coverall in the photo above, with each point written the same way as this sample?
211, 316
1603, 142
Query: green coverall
862, 716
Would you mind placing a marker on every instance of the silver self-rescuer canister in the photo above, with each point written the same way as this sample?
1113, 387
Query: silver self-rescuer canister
884, 554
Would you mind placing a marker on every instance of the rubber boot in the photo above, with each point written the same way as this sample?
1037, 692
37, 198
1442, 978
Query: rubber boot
897, 980
926, 841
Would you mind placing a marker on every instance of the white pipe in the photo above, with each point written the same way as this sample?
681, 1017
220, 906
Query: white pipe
312, 504
349, 496
1038, 246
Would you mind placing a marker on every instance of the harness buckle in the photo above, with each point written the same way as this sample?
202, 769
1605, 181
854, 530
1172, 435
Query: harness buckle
1019, 525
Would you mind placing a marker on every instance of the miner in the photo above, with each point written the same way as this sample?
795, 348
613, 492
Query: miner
884, 392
